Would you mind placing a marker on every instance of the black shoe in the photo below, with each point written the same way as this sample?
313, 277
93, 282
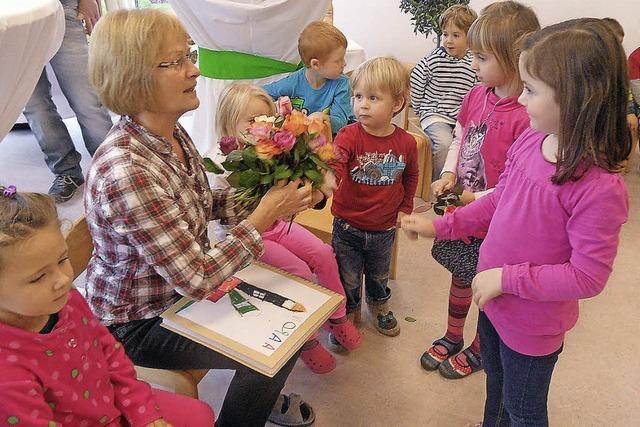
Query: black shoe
64, 187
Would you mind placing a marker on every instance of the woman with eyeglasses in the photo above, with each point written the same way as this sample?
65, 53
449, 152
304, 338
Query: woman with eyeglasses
148, 203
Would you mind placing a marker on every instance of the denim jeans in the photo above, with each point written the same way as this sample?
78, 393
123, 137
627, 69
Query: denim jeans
70, 65
251, 395
441, 136
361, 252
517, 384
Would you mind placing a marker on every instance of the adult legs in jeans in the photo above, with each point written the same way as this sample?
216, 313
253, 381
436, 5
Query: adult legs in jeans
517, 384
70, 67
441, 136
251, 395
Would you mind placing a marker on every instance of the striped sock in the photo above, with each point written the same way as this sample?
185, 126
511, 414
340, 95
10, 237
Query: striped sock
460, 297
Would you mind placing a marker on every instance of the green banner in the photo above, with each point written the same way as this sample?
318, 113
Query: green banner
231, 65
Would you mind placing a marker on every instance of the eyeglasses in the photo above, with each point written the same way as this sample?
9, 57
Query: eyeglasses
192, 56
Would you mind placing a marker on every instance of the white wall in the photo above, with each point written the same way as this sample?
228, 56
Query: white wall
382, 29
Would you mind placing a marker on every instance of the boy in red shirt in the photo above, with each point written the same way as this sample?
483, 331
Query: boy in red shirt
377, 180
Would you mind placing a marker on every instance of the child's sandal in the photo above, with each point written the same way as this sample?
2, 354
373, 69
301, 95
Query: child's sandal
432, 358
318, 359
454, 370
346, 334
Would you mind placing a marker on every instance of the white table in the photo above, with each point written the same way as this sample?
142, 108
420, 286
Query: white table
31, 32
267, 28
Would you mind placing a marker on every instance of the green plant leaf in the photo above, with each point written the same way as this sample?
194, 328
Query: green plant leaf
249, 178
282, 172
234, 156
314, 176
211, 166
315, 159
234, 179
266, 179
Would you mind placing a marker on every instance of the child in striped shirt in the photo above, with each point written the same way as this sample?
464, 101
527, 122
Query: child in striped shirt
440, 81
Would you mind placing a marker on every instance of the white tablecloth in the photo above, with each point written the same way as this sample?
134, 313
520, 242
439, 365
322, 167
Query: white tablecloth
31, 32
264, 27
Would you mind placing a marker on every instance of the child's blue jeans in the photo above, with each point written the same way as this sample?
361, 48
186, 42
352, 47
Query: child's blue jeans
517, 384
361, 252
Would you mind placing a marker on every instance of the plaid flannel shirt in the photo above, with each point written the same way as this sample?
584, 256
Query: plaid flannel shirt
148, 216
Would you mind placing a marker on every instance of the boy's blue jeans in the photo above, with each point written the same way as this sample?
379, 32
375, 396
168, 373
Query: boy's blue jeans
517, 384
361, 252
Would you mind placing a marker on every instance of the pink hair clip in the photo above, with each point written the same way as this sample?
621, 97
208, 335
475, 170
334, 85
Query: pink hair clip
9, 191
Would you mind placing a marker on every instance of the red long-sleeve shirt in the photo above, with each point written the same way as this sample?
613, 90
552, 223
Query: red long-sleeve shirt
377, 177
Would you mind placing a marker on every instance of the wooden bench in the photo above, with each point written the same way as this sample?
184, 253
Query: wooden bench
184, 382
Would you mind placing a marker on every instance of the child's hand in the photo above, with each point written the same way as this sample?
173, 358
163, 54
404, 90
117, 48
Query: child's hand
400, 216
329, 184
417, 225
486, 286
467, 197
446, 182
160, 422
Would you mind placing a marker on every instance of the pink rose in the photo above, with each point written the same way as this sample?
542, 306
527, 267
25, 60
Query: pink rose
228, 144
285, 140
284, 106
317, 142
260, 130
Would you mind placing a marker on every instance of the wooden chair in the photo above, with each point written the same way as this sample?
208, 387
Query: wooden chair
184, 382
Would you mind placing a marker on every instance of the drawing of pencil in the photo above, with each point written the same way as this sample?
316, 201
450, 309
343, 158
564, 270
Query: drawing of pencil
272, 297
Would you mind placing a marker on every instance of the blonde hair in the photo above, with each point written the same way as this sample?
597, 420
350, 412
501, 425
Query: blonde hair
22, 215
460, 15
500, 29
233, 101
125, 49
591, 93
318, 40
386, 74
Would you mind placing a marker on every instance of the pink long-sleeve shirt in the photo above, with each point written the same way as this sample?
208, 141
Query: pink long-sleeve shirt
555, 243
75, 375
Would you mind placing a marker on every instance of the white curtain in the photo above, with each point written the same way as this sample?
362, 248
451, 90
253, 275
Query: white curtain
31, 32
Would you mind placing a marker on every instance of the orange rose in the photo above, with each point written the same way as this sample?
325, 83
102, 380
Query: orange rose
266, 149
325, 153
296, 122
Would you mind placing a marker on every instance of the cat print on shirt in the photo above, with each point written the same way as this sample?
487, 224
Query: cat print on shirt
378, 168
471, 167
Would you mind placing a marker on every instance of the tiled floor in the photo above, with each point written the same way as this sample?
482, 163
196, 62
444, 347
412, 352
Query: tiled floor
596, 382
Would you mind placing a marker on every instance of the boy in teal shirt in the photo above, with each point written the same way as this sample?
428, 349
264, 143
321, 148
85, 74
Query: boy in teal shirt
320, 86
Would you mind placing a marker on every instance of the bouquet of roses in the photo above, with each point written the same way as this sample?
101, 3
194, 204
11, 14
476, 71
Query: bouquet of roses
286, 146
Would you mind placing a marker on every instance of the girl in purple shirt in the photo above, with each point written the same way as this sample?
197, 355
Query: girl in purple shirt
554, 220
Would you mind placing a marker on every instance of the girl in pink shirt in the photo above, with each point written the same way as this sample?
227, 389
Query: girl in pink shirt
489, 122
292, 247
555, 217
59, 365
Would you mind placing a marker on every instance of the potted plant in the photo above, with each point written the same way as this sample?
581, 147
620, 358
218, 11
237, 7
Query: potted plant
425, 14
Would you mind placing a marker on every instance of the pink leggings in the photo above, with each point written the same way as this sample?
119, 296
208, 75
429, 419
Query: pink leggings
183, 411
302, 254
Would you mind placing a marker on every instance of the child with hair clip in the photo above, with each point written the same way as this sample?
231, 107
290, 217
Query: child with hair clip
59, 365
292, 247
490, 120
554, 219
